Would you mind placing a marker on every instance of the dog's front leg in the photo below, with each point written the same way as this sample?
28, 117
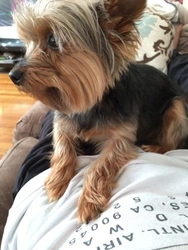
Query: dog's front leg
63, 161
100, 179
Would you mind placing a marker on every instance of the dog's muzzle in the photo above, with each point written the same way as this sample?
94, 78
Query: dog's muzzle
16, 75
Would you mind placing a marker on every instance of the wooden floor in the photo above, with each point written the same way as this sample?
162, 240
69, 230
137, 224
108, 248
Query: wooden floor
13, 105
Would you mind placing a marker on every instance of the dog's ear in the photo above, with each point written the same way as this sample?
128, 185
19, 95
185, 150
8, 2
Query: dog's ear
133, 8
118, 23
121, 16
129, 10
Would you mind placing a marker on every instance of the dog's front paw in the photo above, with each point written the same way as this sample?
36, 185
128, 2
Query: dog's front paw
62, 171
90, 207
88, 211
153, 148
54, 190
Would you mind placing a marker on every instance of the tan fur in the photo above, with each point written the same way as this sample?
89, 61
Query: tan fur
94, 41
119, 148
100, 178
73, 78
77, 68
173, 130
80, 56
63, 161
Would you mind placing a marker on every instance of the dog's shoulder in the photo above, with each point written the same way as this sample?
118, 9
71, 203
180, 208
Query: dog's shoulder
141, 89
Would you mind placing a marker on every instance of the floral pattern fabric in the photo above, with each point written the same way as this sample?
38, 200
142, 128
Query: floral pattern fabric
155, 50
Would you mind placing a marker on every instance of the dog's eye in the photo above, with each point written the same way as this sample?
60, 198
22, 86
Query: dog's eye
52, 43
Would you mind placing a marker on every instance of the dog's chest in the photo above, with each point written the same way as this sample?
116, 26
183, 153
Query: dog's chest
92, 126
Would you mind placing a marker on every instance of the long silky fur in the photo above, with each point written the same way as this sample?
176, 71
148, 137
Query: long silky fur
100, 95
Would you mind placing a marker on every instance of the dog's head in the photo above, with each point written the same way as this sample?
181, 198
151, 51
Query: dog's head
75, 50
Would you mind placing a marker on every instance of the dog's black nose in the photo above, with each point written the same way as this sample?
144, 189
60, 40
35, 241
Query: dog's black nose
16, 75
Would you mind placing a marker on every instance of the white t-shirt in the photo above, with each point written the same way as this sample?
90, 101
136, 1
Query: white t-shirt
148, 210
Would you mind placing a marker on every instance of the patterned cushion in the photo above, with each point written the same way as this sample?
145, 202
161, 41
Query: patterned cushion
157, 34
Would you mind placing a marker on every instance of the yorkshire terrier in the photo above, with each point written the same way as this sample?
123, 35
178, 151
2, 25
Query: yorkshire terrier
79, 60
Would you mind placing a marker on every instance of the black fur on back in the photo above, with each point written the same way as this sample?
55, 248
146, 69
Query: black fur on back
143, 94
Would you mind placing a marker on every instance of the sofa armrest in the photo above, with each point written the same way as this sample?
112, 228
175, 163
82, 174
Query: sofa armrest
29, 124
9, 168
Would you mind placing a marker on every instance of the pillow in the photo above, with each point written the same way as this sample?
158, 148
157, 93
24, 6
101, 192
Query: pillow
156, 36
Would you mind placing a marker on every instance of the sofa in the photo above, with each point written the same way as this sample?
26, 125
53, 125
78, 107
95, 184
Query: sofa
25, 136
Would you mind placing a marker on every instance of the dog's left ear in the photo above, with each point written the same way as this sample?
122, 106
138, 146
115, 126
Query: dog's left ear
132, 8
119, 26
122, 15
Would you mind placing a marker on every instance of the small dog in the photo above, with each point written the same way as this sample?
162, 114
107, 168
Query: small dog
79, 60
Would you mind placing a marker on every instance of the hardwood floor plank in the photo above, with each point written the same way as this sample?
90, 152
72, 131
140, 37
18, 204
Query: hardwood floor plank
13, 105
